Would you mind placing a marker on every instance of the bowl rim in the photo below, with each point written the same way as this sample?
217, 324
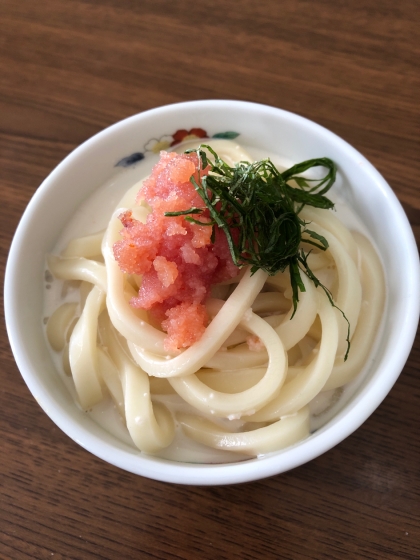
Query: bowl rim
215, 474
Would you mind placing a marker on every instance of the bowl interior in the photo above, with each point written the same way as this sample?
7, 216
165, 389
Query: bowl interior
268, 129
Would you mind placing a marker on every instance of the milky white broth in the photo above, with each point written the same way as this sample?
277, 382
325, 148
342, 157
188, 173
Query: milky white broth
92, 216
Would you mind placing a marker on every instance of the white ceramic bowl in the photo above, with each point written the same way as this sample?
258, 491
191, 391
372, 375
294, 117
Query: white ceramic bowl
271, 130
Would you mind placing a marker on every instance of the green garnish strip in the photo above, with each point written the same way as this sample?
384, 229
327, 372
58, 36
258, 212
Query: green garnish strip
256, 201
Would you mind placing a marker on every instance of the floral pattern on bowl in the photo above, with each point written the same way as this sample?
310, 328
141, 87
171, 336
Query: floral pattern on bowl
155, 145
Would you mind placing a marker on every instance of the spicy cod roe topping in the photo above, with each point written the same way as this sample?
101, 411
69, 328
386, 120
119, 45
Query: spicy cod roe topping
176, 258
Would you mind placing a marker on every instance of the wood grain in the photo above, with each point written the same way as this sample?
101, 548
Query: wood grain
69, 69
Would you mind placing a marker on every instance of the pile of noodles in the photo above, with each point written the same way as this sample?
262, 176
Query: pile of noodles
250, 378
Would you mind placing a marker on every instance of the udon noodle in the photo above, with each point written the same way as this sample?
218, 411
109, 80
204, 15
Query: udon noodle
246, 386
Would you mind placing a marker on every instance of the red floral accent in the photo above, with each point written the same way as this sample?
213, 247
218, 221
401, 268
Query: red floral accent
181, 134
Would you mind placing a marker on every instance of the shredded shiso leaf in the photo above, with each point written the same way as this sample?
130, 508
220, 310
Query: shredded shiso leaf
258, 209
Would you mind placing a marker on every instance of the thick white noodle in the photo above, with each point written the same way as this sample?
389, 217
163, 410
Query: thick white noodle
150, 426
243, 403
349, 293
83, 351
291, 330
78, 268
59, 324
369, 320
88, 246
236, 358
231, 381
309, 381
282, 433
331, 223
110, 374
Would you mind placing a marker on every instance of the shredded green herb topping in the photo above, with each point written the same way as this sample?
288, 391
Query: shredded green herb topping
258, 210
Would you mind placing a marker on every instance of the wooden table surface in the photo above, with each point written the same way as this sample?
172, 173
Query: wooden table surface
68, 69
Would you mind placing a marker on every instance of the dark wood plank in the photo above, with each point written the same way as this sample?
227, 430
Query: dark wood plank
70, 68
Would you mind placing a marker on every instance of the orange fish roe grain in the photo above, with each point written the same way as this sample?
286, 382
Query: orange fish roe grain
185, 324
176, 258
167, 271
